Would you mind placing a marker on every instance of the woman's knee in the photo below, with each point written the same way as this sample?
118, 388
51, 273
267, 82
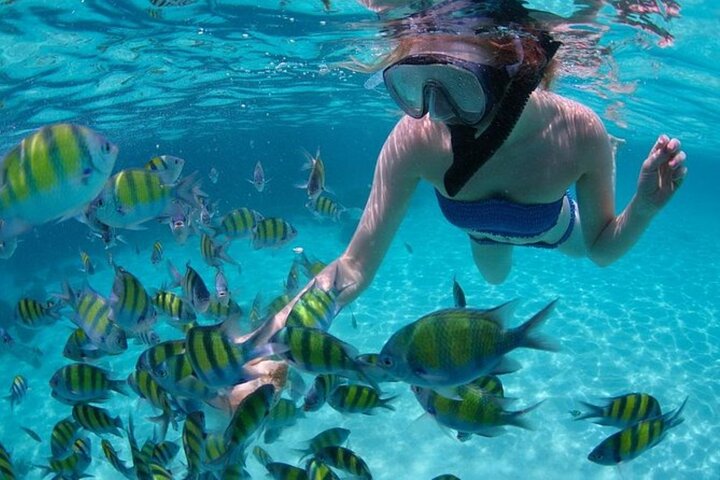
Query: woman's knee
493, 262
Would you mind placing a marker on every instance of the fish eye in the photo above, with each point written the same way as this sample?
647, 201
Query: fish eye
100, 202
386, 361
106, 147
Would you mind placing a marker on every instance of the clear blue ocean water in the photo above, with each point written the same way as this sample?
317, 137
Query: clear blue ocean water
227, 83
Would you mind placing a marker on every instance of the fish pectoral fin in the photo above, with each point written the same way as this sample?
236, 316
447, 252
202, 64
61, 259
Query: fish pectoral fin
506, 365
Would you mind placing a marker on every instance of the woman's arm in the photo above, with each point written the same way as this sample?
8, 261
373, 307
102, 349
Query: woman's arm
396, 176
607, 236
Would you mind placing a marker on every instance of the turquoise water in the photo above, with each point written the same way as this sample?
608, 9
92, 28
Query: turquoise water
225, 84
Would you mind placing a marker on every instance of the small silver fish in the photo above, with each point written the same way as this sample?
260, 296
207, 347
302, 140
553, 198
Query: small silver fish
221, 288
258, 178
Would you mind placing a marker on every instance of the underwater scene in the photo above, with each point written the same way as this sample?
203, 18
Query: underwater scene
210, 267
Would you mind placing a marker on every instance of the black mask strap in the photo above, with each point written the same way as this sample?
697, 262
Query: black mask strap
470, 153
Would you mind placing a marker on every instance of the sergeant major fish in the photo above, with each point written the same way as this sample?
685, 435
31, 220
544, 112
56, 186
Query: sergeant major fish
272, 232
53, 173
623, 410
454, 346
134, 196
238, 223
474, 412
167, 167
92, 314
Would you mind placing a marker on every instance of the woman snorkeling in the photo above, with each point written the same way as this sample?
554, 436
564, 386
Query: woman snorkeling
502, 153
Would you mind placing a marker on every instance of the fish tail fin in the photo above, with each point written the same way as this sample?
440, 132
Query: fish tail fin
385, 402
223, 255
518, 419
163, 421
593, 411
526, 335
119, 386
68, 295
674, 419
188, 190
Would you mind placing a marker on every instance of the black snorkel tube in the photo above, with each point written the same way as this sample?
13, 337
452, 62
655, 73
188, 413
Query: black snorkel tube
470, 153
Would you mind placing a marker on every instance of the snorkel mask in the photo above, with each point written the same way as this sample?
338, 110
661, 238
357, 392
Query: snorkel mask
449, 88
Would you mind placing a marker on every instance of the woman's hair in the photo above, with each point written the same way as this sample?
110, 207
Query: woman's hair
503, 48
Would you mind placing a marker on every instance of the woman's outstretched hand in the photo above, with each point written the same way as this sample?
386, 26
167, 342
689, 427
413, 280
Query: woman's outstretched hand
662, 173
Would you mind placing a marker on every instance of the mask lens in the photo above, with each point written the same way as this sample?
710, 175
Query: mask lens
409, 85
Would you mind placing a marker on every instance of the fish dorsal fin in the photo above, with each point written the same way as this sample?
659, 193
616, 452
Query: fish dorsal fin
501, 313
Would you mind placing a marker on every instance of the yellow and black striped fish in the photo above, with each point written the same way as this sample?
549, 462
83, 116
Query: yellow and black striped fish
63, 436
80, 382
630, 442
87, 264
623, 411
453, 346
112, 457
132, 307
262, 456
239, 223
195, 290
471, 411
32, 314
344, 459
214, 254
166, 167
315, 351
96, 420
273, 233
52, 173
18, 389
193, 438
325, 206
316, 308
134, 196
249, 416
93, 315
217, 361
157, 253
354, 398
174, 306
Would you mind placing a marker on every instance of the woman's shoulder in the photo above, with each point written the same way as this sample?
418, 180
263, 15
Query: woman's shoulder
414, 144
581, 118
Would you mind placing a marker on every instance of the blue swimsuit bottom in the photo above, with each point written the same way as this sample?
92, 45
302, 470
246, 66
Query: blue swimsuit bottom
500, 217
